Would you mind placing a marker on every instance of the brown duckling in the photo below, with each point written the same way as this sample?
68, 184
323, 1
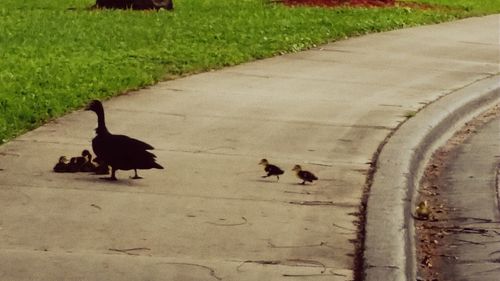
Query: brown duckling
305, 176
76, 163
87, 166
271, 169
62, 165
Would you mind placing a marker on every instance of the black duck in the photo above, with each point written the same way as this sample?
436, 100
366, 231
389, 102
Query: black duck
305, 176
119, 151
100, 168
271, 169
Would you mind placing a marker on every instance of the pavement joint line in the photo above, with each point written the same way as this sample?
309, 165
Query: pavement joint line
343, 81
184, 261
338, 82
391, 243
274, 120
172, 195
363, 165
395, 66
301, 122
318, 162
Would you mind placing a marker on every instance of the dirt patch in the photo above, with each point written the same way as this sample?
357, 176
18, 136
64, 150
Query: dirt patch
432, 233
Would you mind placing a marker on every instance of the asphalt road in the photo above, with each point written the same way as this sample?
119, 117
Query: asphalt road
461, 238
470, 191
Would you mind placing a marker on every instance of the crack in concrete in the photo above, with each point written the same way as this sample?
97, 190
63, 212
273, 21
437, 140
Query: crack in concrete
383, 266
323, 203
321, 244
331, 273
287, 262
210, 270
245, 221
342, 227
130, 251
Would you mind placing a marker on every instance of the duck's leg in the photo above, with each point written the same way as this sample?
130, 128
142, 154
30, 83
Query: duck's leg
112, 177
304, 182
278, 178
136, 176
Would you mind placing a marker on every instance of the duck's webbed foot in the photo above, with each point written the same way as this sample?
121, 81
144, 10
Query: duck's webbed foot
136, 176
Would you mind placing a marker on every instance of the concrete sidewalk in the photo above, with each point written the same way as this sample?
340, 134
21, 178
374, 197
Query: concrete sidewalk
209, 215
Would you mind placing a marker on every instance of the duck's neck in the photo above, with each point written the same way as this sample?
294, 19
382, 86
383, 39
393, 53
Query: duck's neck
101, 123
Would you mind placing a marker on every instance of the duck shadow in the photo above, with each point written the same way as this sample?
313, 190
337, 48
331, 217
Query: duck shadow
263, 180
271, 181
99, 179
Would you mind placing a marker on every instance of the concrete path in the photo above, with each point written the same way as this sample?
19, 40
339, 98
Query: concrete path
209, 215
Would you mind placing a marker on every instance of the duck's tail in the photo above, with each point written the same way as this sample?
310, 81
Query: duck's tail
157, 166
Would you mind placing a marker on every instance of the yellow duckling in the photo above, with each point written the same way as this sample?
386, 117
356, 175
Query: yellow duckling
423, 211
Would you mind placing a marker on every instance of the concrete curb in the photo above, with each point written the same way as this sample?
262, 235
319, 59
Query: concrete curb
389, 240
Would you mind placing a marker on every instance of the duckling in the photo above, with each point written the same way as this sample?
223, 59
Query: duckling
423, 211
76, 164
101, 168
87, 166
271, 170
62, 165
304, 175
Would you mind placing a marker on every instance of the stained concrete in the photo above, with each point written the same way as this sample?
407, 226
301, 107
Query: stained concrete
209, 215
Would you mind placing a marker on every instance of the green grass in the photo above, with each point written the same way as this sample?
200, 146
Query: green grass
54, 59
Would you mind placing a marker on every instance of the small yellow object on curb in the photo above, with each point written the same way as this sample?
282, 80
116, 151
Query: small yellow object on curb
422, 211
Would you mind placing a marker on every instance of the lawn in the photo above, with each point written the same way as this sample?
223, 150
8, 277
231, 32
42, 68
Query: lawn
56, 55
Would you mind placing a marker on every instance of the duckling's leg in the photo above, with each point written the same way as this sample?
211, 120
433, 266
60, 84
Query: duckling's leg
278, 178
136, 176
304, 182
